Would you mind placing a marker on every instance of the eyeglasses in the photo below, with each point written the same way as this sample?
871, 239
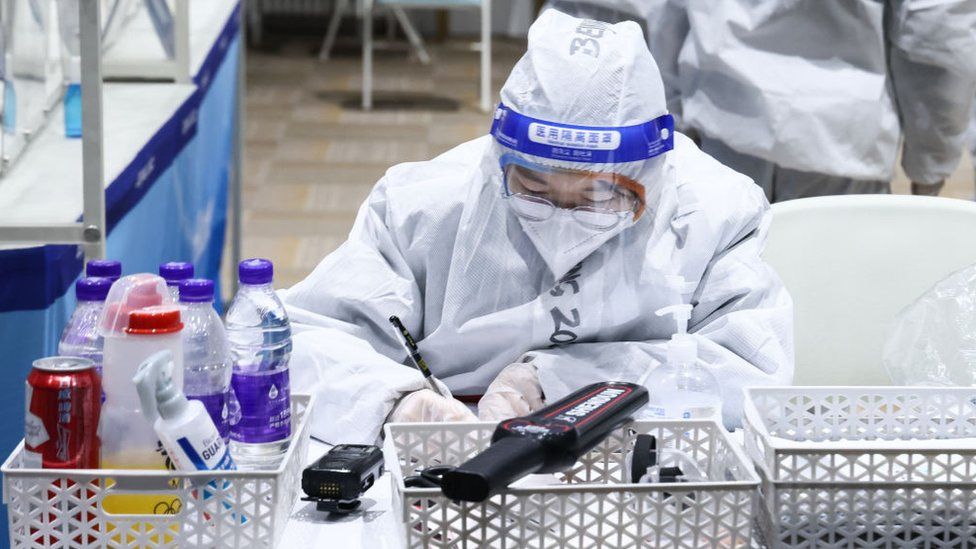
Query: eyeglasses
595, 200
536, 208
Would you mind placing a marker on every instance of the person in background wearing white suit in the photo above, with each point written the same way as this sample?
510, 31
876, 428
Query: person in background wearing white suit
814, 98
530, 262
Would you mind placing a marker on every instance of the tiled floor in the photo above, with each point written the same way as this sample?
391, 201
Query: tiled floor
310, 161
311, 157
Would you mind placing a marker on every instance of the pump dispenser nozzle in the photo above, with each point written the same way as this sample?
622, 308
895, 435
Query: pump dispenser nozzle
683, 348
681, 313
157, 395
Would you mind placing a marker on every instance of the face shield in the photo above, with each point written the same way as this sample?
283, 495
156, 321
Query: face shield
574, 187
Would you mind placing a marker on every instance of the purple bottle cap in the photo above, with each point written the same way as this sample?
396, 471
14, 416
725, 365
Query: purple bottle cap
255, 271
92, 288
175, 271
196, 290
105, 268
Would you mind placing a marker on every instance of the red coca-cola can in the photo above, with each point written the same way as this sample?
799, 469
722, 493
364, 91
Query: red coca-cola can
63, 408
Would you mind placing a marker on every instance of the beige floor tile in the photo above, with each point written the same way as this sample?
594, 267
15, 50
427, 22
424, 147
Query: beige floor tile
287, 276
312, 250
385, 118
280, 250
303, 150
342, 198
385, 152
274, 95
278, 198
298, 223
318, 113
449, 135
264, 130
322, 173
312, 130
255, 175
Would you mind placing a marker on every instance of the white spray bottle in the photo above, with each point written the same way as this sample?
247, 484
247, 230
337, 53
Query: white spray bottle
183, 426
682, 388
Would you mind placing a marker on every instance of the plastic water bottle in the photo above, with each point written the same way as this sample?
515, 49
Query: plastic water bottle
81, 336
206, 355
260, 345
173, 273
105, 268
681, 388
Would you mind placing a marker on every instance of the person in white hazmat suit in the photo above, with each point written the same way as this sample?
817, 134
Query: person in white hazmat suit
530, 262
813, 98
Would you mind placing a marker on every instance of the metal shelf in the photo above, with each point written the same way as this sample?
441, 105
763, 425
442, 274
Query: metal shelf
90, 232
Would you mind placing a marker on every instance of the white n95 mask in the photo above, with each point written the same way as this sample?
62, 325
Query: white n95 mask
562, 241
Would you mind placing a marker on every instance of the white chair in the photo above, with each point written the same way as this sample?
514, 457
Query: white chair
852, 263
397, 6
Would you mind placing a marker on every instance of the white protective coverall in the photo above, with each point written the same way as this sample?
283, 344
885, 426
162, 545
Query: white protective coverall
438, 244
813, 98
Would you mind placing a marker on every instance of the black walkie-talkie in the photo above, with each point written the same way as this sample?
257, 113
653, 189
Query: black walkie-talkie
337, 480
549, 440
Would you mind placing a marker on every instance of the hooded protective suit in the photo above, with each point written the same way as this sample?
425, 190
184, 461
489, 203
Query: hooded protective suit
438, 244
822, 89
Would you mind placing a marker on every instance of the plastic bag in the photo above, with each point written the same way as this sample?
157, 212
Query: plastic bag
933, 340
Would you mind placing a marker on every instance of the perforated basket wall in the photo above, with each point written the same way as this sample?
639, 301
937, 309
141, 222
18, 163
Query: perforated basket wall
865, 466
587, 506
63, 508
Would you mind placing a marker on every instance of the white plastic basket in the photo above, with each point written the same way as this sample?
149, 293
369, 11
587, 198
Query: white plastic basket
62, 507
865, 466
590, 505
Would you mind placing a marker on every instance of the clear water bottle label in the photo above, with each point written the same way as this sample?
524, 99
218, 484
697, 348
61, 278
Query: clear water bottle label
265, 407
655, 411
681, 412
699, 412
216, 405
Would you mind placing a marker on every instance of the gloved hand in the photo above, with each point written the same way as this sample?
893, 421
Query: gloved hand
515, 392
921, 189
427, 406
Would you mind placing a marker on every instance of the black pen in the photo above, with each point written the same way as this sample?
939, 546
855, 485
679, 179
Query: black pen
414, 352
